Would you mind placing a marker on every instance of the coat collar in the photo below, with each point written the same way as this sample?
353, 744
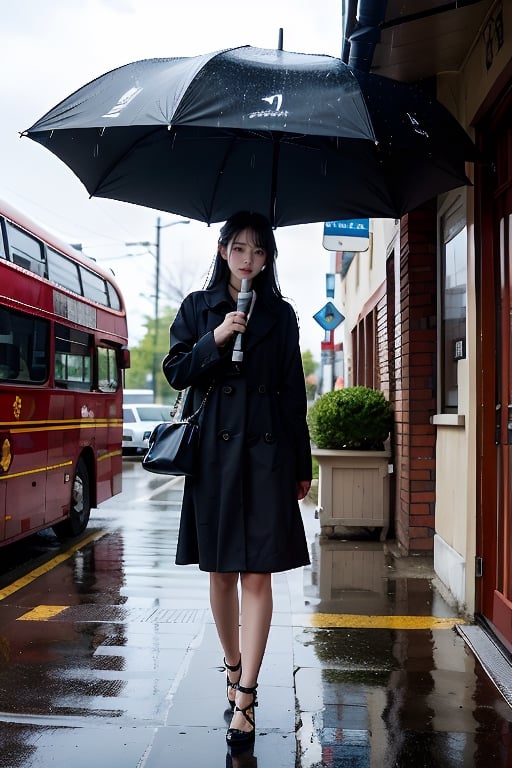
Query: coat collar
217, 296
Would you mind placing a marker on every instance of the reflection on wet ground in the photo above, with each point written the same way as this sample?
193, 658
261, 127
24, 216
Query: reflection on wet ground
109, 657
395, 696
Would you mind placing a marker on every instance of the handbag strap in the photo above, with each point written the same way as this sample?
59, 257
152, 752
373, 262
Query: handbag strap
196, 413
194, 416
175, 408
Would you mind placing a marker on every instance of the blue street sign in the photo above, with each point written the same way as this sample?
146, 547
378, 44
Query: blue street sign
347, 235
329, 317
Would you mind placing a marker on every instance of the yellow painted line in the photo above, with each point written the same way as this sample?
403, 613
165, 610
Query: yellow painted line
49, 566
109, 455
49, 468
60, 423
19, 430
42, 613
52, 467
356, 621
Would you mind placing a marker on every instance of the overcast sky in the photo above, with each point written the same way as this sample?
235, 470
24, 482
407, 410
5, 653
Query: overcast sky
49, 48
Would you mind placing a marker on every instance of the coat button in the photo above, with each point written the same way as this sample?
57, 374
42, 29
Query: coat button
269, 437
224, 435
262, 389
227, 390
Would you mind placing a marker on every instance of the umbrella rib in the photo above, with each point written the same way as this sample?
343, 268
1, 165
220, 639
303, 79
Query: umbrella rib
122, 157
273, 186
274, 179
218, 178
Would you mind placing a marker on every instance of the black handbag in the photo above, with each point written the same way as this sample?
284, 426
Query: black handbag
173, 445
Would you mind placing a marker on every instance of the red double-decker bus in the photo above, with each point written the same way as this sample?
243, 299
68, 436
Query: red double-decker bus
63, 348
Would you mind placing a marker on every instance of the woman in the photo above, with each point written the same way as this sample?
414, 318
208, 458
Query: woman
240, 518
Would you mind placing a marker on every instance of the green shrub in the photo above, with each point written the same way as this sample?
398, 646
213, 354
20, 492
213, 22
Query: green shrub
357, 418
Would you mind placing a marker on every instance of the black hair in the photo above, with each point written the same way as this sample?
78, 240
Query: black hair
266, 283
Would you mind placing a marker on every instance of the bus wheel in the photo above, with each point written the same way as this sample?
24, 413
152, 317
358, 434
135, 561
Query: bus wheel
80, 509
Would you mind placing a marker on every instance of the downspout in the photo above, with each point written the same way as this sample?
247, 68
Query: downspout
364, 19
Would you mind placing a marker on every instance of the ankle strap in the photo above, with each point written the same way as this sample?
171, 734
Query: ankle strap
243, 689
235, 668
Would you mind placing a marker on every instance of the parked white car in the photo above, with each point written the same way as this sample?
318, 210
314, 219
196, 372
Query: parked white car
138, 423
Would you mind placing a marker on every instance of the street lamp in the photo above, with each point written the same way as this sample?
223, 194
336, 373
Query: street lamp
156, 245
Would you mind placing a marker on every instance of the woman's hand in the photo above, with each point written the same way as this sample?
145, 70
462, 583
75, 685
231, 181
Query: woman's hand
303, 487
234, 322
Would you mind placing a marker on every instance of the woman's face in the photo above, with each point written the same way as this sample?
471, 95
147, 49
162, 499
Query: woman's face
245, 259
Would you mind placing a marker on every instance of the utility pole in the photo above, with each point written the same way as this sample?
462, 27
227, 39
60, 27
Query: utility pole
159, 227
157, 294
156, 254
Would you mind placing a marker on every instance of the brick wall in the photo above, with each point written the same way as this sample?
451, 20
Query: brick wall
414, 381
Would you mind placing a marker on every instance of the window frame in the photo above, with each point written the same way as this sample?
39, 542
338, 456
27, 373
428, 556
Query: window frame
451, 223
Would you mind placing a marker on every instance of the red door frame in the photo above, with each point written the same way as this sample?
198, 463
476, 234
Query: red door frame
494, 304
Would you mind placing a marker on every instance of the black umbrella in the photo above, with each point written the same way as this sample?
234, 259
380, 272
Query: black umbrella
298, 137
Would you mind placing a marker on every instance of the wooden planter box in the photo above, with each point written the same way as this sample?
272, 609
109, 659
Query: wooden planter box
353, 490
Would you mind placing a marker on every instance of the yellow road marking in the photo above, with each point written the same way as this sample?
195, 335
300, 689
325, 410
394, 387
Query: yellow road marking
356, 621
36, 471
42, 613
49, 566
52, 424
317, 620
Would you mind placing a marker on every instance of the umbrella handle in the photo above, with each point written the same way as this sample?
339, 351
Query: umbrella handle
242, 305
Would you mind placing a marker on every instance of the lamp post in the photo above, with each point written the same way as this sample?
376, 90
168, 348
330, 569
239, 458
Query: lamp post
156, 244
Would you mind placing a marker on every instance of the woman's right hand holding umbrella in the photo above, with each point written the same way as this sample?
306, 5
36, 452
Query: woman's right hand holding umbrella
234, 322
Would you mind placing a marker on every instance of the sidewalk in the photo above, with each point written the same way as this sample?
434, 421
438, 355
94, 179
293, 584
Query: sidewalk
111, 659
383, 677
364, 667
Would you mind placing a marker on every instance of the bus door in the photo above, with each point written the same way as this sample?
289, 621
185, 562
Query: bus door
72, 413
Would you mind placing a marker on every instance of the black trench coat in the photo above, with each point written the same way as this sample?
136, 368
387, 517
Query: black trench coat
240, 512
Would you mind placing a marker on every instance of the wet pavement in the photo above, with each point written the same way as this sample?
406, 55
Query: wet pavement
109, 657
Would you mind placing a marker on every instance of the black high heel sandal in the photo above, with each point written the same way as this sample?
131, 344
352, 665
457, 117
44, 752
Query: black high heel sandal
235, 737
229, 685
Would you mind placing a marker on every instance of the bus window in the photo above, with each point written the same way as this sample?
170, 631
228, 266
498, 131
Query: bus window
23, 347
25, 251
73, 368
63, 271
94, 287
108, 372
9, 361
115, 301
2, 244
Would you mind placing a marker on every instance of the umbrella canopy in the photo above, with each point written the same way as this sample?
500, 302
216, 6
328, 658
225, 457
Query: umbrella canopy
297, 137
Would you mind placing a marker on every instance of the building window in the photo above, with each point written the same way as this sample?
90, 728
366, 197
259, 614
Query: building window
453, 300
364, 352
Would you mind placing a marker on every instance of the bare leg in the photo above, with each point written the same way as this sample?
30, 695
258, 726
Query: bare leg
256, 618
226, 614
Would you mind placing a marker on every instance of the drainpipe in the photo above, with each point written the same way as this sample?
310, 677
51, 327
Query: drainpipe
362, 31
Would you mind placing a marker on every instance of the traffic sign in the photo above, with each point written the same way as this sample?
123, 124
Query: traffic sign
329, 317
